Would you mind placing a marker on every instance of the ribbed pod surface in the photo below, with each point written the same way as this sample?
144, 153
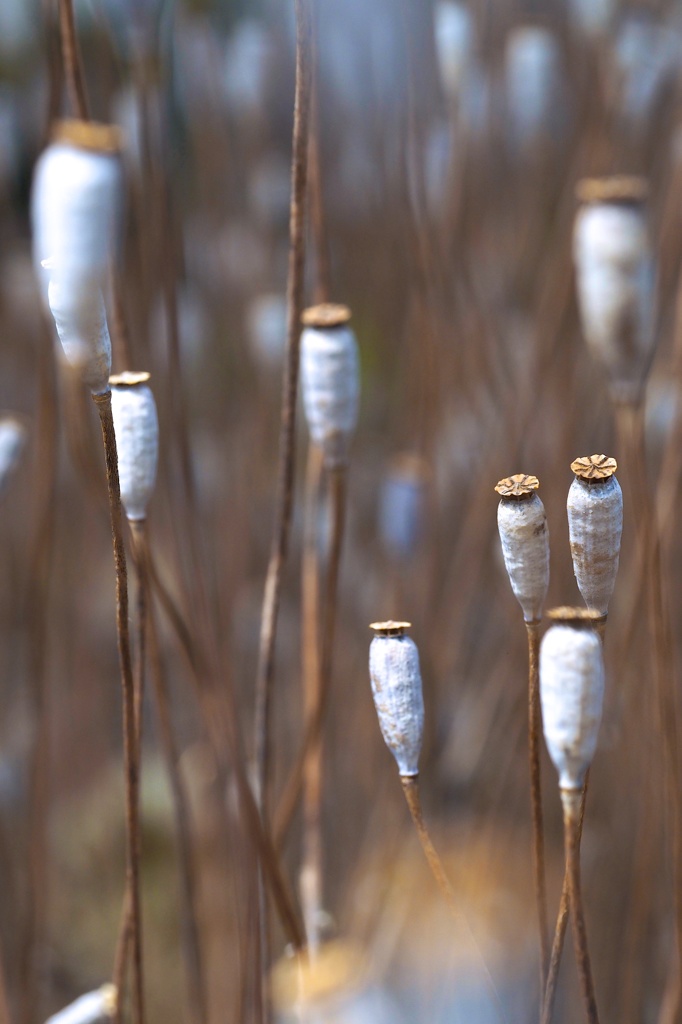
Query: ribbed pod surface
595, 524
137, 439
397, 691
524, 536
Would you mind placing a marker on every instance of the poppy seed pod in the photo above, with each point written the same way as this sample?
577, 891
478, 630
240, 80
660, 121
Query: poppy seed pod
12, 441
532, 82
137, 440
522, 524
571, 692
454, 35
81, 322
76, 201
330, 380
403, 506
595, 524
397, 691
93, 1008
615, 279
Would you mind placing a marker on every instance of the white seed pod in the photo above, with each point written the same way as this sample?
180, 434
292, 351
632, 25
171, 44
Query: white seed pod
402, 507
137, 440
522, 523
615, 280
76, 201
532, 80
595, 524
571, 692
455, 41
330, 380
81, 322
12, 443
397, 691
93, 1008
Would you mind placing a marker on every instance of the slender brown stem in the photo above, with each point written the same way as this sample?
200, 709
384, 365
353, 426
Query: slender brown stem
561, 925
73, 65
103, 403
534, 730
286, 468
310, 875
571, 800
195, 976
410, 785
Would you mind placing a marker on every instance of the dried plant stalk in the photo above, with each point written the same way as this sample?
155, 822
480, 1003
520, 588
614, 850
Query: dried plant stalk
534, 731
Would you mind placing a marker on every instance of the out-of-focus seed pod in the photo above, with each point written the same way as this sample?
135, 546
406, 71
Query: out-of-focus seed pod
330, 379
532, 80
455, 43
76, 202
397, 691
522, 523
403, 506
333, 987
12, 443
94, 1008
571, 692
267, 329
137, 440
81, 322
615, 278
595, 524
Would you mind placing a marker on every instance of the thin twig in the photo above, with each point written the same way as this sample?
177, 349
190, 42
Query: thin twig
410, 785
561, 925
572, 803
534, 729
103, 403
71, 58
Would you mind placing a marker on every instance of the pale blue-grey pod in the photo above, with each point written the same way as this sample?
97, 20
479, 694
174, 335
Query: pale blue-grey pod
81, 322
571, 692
137, 440
96, 1007
595, 525
330, 380
76, 203
616, 280
397, 691
12, 443
532, 79
402, 509
522, 524
454, 35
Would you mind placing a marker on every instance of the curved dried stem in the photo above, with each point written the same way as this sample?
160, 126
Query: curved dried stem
561, 925
103, 403
410, 785
534, 730
572, 801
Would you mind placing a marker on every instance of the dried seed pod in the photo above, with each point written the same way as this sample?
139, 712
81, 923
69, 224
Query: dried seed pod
12, 442
571, 692
330, 379
454, 34
524, 534
403, 505
81, 322
615, 278
76, 201
137, 440
93, 1008
397, 691
532, 79
595, 524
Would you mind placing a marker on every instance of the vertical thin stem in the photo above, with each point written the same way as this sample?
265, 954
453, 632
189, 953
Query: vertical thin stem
311, 860
561, 925
73, 65
195, 982
286, 468
103, 403
571, 801
534, 729
410, 785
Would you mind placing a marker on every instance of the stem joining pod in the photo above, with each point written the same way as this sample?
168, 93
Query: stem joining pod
595, 525
522, 524
93, 1008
